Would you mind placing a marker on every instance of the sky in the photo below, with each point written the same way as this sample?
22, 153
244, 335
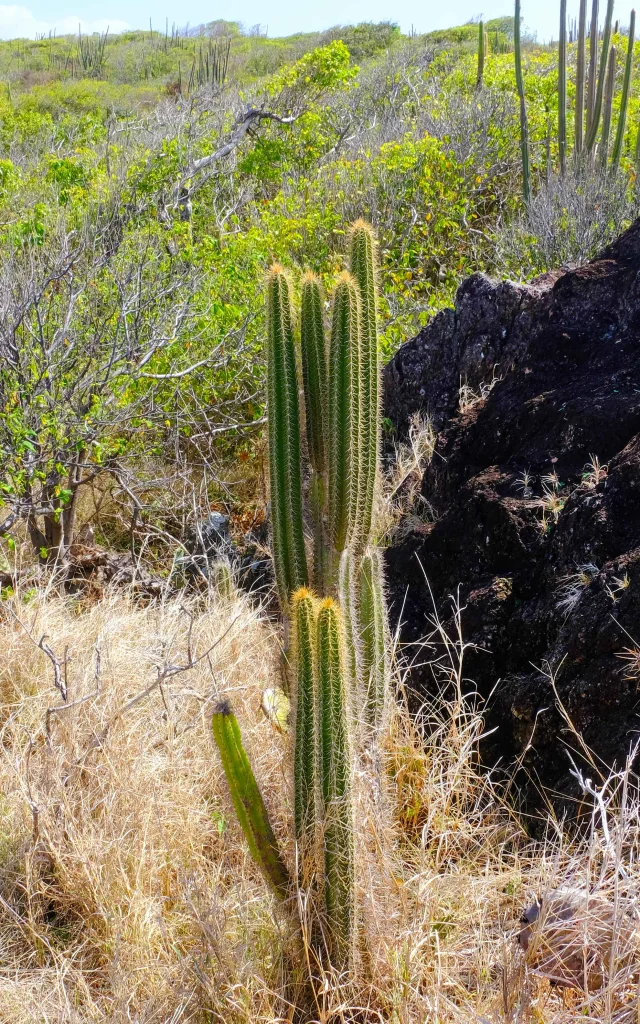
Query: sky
282, 17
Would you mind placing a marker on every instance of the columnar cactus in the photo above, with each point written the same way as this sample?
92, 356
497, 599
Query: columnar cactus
580, 69
305, 770
562, 87
247, 800
284, 440
316, 397
363, 269
336, 784
607, 107
593, 64
597, 105
373, 638
624, 98
345, 384
481, 54
524, 125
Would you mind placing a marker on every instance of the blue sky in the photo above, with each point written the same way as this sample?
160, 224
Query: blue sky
282, 17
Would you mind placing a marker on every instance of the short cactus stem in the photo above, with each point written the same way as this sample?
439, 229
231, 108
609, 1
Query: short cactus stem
344, 411
305, 773
289, 555
336, 771
347, 598
247, 800
373, 629
221, 576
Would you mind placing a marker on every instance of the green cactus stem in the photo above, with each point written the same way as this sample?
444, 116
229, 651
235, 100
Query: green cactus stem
593, 64
624, 98
221, 576
481, 55
602, 75
247, 800
314, 370
607, 107
336, 770
316, 397
580, 75
344, 411
306, 787
348, 607
289, 555
364, 270
373, 638
524, 125
562, 87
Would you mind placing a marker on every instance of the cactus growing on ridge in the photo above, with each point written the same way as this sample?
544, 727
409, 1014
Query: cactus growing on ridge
607, 107
580, 77
524, 125
562, 87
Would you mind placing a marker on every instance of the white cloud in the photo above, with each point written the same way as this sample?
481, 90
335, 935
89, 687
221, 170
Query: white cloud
19, 23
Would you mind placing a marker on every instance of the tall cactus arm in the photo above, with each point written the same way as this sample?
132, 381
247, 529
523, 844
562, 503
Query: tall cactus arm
344, 410
597, 105
593, 64
624, 99
607, 107
314, 370
562, 87
364, 270
524, 125
247, 800
580, 74
284, 440
481, 55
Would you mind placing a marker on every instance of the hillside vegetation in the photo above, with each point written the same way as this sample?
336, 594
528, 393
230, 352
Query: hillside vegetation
149, 183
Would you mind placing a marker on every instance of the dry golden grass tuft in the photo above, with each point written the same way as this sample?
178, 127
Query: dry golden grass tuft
126, 891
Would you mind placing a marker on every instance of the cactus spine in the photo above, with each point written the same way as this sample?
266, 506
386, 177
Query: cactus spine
624, 99
289, 556
247, 800
481, 55
363, 269
580, 67
524, 126
373, 638
597, 105
607, 107
314, 379
305, 769
562, 87
336, 782
344, 411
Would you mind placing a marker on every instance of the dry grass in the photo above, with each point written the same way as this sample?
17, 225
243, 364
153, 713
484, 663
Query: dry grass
126, 893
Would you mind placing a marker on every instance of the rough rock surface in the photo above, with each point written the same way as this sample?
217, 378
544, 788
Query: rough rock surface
548, 569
